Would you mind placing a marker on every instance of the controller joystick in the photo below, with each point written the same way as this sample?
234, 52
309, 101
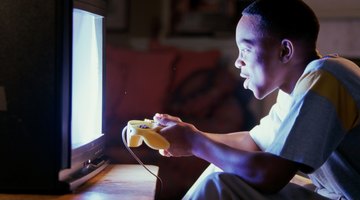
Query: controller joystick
148, 131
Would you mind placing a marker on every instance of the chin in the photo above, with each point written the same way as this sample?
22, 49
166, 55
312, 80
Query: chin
260, 94
257, 96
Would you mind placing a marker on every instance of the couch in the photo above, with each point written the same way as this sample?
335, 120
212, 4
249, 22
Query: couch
194, 85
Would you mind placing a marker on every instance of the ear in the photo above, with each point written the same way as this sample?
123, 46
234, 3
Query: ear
287, 50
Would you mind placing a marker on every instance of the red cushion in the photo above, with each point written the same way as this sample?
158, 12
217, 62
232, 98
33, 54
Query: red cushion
188, 61
191, 61
136, 82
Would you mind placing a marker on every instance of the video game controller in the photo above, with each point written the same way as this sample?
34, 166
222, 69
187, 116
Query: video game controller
147, 130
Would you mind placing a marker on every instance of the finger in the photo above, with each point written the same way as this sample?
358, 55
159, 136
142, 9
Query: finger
161, 151
166, 120
164, 153
167, 116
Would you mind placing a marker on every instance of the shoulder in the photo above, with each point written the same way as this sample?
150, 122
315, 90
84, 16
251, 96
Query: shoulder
334, 64
328, 69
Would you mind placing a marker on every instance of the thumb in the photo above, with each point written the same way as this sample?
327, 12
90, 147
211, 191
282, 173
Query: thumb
166, 120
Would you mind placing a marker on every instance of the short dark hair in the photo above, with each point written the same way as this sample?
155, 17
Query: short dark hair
292, 19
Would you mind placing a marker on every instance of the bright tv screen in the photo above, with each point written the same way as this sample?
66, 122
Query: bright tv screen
87, 78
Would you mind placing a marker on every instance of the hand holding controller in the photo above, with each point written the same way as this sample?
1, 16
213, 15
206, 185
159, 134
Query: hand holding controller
147, 130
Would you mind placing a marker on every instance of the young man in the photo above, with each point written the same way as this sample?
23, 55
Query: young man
313, 127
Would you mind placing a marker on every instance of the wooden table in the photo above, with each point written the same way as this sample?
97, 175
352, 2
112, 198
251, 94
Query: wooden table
125, 182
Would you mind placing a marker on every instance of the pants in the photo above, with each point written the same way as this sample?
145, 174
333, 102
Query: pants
213, 184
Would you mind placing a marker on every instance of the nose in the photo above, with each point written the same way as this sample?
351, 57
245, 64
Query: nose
239, 63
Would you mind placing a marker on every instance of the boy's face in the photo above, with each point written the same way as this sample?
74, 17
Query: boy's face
259, 57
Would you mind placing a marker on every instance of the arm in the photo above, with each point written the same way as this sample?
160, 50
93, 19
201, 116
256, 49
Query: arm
264, 171
234, 153
239, 140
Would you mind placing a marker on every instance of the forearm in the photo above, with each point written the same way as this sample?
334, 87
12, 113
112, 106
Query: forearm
234, 153
255, 167
227, 156
238, 140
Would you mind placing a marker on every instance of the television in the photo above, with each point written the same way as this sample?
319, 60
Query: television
51, 94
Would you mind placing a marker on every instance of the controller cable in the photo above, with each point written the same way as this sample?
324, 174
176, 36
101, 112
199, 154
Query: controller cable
138, 159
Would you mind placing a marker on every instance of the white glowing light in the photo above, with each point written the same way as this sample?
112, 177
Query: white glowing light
86, 116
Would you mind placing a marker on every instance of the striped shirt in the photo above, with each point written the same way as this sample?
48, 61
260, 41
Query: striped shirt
318, 125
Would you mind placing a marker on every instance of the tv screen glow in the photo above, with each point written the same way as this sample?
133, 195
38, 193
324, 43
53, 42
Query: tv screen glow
86, 100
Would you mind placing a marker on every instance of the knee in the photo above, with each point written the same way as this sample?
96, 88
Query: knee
218, 185
208, 187
216, 179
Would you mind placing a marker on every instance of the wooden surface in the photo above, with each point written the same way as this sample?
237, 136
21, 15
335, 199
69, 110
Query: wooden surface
113, 183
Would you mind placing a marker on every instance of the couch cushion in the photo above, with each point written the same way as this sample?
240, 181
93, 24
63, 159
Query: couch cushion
208, 99
188, 61
136, 82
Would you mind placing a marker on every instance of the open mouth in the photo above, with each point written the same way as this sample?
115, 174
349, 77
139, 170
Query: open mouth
243, 75
246, 81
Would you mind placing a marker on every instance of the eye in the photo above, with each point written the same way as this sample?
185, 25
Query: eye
244, 52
